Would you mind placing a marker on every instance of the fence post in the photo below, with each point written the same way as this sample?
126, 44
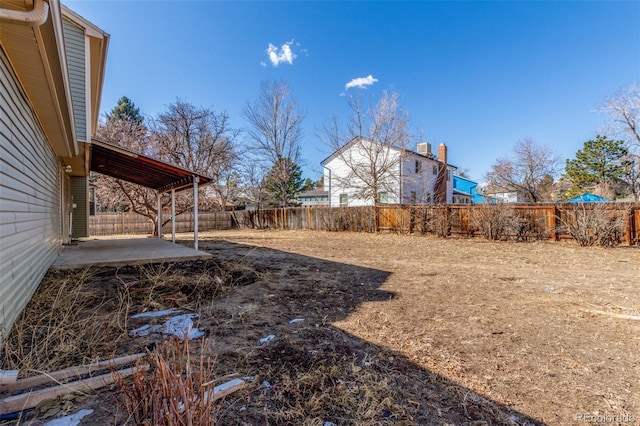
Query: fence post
447, 212
554, 222
630, 228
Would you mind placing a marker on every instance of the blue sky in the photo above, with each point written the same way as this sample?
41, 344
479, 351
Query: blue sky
478, 76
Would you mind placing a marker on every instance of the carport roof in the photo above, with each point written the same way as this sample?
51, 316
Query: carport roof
136, 168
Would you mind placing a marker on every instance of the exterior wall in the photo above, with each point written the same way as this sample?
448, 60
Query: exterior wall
342, 181
422, 183
399, 186
31, 184
74, 41
80, 207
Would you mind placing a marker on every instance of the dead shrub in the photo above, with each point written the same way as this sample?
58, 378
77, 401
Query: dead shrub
432, 220
593, 224
495, 221
177, 389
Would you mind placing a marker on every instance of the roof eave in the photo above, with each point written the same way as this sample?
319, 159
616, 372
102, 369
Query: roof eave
37, 54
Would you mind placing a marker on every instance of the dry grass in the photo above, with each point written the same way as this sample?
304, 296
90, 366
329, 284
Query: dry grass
81, 317
397, 329
175, 391
69, 322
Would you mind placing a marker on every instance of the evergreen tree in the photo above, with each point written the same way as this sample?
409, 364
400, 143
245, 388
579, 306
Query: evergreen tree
601, 163
284, 181
126, 110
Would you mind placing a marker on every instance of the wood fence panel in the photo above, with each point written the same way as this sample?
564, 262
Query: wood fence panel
538, 221
134, 224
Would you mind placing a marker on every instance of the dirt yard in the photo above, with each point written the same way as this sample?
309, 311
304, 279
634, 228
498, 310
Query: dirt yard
418, 330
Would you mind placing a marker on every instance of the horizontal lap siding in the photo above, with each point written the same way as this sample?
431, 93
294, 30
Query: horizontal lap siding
74, 46
29, 199
79, 192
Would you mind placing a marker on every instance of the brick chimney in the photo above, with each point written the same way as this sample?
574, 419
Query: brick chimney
440, 189
442, 153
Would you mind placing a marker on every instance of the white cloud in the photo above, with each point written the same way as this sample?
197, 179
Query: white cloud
263, 64
283, 54
361, 82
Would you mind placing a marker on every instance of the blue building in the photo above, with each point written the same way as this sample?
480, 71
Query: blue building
465, 192
588, 197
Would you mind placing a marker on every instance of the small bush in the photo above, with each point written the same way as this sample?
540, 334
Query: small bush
593, 224
495, 221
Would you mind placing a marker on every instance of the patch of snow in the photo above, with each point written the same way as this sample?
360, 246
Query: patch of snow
153, 314
267, 384
70, 420
182, 326
267, 339
145, 330
296, 320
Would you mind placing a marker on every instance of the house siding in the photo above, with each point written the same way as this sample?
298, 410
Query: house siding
74, 41
80, 209
30, 206
342, 179
399, 186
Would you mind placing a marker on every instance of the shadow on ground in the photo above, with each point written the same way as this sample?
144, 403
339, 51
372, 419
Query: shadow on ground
312, 372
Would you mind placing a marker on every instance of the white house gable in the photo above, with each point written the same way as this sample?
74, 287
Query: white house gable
408, 177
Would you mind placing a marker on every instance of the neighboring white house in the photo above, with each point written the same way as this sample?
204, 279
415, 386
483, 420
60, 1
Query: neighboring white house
410, 177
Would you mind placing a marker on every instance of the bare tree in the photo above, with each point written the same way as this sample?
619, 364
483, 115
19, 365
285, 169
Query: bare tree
194, 138
124, 126
527, 172
372, 146
623, 109
275, 130
201, 140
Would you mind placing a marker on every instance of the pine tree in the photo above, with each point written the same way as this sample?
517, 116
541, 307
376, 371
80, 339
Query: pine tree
600, 163
284, 182
126, 110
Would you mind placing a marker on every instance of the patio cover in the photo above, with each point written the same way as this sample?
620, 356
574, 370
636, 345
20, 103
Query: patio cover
130, 166
136, 168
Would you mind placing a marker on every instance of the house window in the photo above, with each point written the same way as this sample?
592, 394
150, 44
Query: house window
383, 197
418, 167
344, 199
435, 169
413, 197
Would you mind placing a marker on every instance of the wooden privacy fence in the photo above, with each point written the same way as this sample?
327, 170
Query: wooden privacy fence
132, 223
494, 221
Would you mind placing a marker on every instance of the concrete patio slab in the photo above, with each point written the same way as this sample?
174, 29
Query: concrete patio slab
120, 252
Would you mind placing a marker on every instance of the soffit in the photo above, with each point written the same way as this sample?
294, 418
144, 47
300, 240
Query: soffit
35, 55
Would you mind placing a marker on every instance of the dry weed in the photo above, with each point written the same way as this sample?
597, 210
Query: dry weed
175, 391
81, 317
67, 322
